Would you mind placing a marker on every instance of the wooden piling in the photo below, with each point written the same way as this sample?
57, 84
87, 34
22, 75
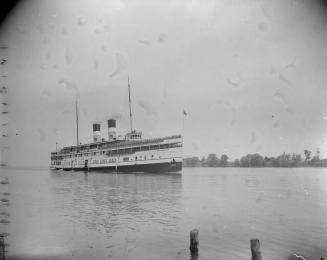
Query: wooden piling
194, 240
2, 247
255, 249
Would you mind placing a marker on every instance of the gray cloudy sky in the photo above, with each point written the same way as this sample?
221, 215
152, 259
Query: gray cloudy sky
251, 74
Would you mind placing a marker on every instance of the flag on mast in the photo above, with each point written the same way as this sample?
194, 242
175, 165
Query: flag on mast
184, 113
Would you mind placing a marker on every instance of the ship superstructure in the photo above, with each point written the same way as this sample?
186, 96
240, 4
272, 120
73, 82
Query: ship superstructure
114, 153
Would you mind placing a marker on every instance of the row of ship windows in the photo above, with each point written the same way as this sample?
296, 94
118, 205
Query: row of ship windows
102, 161
125, 151
125, 159
55, 162
111, 160
138, 158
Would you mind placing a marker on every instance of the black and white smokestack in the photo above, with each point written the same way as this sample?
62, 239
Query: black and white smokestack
112, 132
111, 123
96, 133
96, 127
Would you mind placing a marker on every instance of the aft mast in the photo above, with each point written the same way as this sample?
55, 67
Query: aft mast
130, 107
76, 104
133, 135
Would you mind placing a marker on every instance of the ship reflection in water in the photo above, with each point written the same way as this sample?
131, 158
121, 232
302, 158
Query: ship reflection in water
76, 215
120, 200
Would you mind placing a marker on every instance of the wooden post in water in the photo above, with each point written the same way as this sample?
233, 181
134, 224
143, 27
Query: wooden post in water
255, 249
2, 247
194, 240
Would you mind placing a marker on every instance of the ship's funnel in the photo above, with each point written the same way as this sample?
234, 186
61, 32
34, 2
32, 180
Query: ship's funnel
96, 133
112, 132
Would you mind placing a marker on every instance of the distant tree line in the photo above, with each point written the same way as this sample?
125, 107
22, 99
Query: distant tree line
257, 160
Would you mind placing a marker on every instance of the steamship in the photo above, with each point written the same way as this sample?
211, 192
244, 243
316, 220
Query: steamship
115, 153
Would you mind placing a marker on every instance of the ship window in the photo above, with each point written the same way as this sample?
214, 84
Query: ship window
165, 146
144, 148
135, 157
126, 159
173, 145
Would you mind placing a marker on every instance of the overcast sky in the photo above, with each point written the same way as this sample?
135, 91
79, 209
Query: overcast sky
251, 74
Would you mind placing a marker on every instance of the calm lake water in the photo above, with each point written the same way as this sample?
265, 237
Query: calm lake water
74, 215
